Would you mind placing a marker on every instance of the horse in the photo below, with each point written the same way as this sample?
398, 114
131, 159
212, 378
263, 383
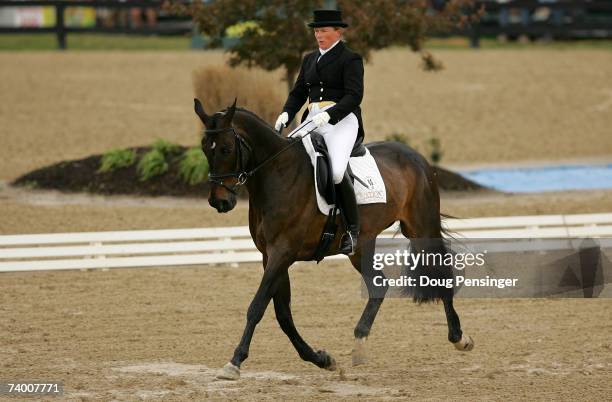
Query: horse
285, 224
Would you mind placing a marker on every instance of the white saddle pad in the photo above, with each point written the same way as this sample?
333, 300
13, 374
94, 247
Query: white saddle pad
371, 191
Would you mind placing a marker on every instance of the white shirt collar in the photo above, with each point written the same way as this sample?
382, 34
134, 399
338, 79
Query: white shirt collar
328, 49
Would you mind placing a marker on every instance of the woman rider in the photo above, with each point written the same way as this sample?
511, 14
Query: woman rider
331, 79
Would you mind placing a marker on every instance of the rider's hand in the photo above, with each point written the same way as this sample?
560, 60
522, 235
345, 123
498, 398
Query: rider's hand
321, 119
282, 120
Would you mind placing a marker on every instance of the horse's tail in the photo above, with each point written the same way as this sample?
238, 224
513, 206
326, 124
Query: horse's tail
433, 275
444, 230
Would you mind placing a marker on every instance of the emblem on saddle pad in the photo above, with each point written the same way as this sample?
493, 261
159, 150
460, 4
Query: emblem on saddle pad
369, 185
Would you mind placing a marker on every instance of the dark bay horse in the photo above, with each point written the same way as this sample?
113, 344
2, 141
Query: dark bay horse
285, 223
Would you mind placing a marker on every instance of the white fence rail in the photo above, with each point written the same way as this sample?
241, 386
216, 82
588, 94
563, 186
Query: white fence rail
146, 248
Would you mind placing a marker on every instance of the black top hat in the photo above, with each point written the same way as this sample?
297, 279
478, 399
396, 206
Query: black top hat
327, 18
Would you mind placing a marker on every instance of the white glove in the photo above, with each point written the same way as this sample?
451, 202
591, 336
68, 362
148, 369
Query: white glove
321, 119
282, 120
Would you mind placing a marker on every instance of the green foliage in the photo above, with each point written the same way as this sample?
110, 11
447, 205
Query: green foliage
30, 184
398, 138
272, 33
193, 167
166, 148
82, 41
238, 30
435, 150
116, 159
152, 164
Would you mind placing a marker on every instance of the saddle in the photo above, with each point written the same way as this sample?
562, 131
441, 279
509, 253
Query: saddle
325, 186
325, 181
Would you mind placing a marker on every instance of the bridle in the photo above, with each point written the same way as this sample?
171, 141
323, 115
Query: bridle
240, 173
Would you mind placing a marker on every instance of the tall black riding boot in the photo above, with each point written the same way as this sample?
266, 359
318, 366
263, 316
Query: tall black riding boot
348, 203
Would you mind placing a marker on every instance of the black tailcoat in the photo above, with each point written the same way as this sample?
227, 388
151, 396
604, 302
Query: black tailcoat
337, 77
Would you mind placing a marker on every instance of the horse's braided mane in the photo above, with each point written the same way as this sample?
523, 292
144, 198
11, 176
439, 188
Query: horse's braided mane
256, 120
254, 116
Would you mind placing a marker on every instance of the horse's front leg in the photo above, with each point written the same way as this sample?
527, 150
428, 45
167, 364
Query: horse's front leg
282, 308
274, 270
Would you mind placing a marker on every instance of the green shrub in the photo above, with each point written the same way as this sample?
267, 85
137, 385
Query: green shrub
152, 164
435, 150
31, 184
193, 167
166, 147
117, 159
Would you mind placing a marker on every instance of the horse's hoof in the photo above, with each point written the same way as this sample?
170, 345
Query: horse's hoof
329, 363
465, 344
359, 352
229, 372
332, 366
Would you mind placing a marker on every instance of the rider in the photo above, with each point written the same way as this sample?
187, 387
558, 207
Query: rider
331, 79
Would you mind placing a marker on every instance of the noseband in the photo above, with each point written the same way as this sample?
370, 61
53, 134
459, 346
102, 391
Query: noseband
240, 174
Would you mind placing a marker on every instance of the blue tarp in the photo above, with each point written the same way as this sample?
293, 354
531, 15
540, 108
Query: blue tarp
548, 178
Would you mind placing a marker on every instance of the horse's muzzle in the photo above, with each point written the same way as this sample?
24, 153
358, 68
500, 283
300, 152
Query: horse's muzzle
222, 205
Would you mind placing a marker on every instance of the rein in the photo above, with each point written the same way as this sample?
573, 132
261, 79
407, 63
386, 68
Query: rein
241, 174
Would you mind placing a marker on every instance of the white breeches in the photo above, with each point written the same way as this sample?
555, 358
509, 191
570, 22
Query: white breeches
339, 139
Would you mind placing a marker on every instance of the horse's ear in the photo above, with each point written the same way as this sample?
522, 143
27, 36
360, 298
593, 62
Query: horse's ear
229, 115
199, 109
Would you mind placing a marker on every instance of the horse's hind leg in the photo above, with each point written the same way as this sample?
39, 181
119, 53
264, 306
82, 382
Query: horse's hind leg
462, 342
282, 308
456, 336
363, 262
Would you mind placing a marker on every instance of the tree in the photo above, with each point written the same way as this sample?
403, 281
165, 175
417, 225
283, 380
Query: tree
376, 24
275, 33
